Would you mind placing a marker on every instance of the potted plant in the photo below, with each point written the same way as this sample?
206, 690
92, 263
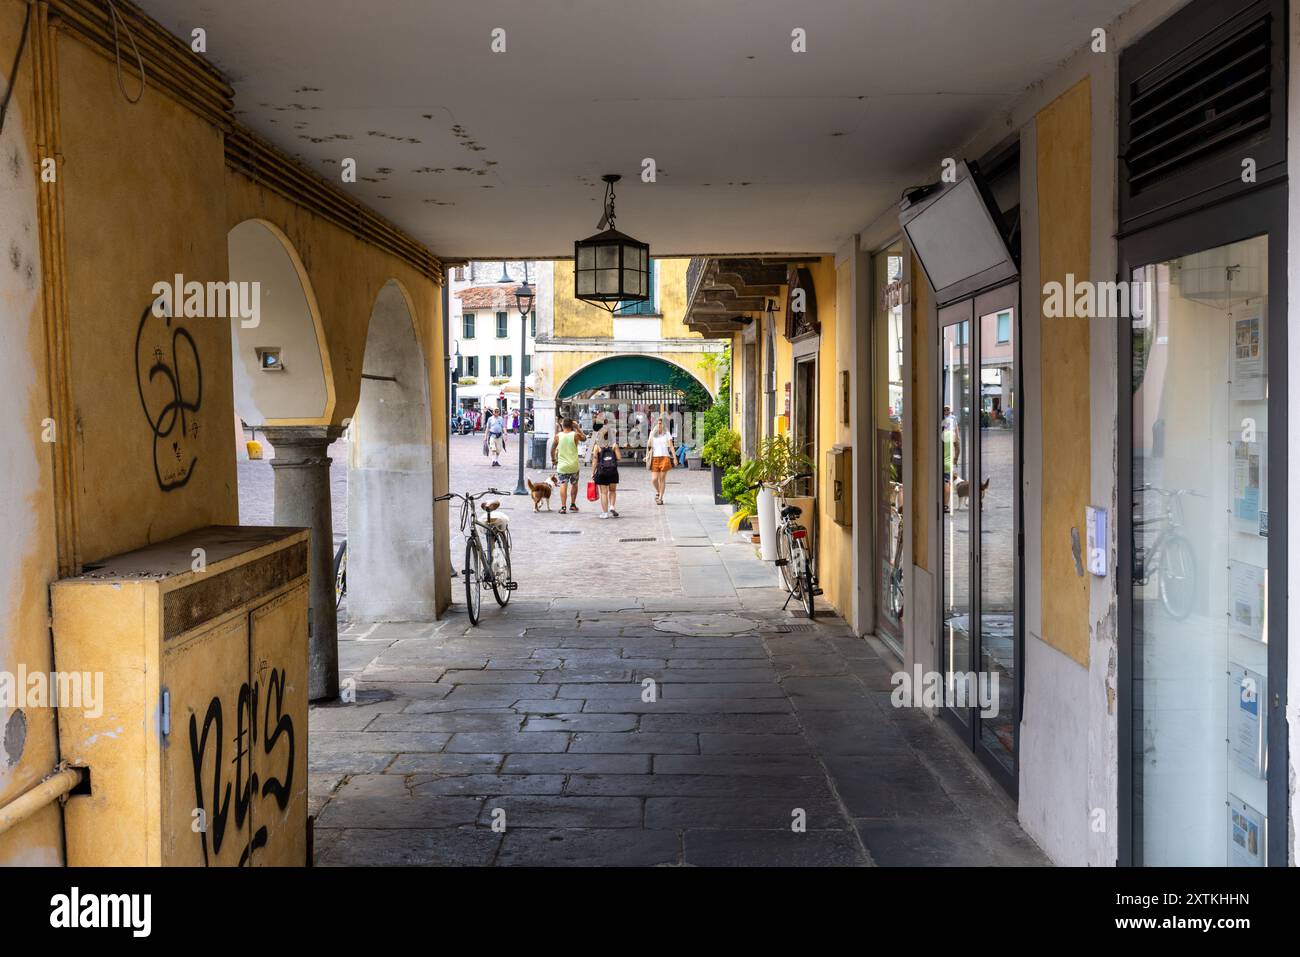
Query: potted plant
736, 490
722, 453
777, 461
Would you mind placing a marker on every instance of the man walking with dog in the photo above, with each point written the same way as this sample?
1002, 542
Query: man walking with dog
564, 456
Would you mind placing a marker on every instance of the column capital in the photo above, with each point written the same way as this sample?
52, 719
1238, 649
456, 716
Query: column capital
279, 435
297, 446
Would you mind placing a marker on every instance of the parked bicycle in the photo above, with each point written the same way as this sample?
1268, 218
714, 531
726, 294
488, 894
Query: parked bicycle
793, 556
487, 556
894, 576
1169, 558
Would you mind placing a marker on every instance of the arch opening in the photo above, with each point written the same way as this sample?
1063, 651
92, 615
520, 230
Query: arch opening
281, 370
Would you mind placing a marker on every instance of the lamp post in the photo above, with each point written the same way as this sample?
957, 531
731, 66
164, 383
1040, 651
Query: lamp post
524, 297
453, 373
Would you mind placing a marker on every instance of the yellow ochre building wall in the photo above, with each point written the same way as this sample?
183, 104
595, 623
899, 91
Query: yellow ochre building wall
580, 320
1065, 202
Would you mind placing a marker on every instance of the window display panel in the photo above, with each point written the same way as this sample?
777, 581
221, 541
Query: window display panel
955, 473
1200, 557
887, 413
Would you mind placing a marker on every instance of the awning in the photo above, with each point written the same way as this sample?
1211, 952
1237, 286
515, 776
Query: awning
615, 370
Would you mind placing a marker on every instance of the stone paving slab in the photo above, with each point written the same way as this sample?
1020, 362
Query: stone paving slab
578, 847
783, 848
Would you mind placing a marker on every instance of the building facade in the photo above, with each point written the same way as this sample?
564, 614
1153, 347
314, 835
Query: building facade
486, 327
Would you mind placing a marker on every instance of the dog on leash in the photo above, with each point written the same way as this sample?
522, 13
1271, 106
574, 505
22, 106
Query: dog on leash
541, 492
963, 492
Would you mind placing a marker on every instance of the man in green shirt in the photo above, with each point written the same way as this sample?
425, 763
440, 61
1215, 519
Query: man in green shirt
951, 452
564, 456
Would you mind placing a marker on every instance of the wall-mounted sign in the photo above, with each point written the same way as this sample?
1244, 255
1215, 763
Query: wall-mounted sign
1098, 546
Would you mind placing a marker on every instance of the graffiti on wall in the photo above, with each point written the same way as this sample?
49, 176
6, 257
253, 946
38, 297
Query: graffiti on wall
236, 778
169, 377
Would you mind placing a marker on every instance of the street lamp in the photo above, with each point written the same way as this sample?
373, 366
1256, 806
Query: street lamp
524, 298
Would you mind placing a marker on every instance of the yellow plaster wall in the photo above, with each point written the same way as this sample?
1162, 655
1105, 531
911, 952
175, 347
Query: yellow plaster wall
1064, 199
142, 188
835, 542
28, 561
580, 320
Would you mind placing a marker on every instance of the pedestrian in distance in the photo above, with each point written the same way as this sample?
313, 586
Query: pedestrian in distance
604, 462
659, 458
565, 458
496, 438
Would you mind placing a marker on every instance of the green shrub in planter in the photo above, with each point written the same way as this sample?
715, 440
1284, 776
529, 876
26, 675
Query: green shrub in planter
723, 449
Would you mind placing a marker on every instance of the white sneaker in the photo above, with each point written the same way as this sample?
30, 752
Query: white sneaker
604, 514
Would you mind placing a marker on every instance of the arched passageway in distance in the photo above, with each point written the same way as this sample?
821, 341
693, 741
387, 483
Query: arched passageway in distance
633, 387
619, 369
390, 473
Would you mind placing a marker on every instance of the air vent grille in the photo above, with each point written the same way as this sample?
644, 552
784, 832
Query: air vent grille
1216, 100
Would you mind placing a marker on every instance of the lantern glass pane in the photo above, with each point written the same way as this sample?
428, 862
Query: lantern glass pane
607, 282
607, 257
634, 256
586, 282
586, 257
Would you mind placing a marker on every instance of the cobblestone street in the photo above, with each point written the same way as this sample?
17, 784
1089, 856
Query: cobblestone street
543, 720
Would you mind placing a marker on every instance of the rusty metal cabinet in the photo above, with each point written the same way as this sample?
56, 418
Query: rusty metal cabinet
198, 751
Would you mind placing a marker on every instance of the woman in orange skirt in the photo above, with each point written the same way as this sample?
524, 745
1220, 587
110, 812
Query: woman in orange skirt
659, 458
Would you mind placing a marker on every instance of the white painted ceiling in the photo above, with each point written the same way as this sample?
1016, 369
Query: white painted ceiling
759, 149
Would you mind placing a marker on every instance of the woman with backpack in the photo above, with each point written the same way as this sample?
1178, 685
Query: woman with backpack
604, 463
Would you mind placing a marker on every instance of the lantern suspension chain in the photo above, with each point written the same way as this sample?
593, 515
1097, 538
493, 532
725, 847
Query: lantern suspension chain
607, 221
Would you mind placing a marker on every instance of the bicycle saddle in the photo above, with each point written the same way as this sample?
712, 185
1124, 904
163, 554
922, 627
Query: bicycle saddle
490, 506
791, 511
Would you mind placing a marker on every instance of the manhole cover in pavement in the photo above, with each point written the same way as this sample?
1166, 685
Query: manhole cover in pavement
699, 625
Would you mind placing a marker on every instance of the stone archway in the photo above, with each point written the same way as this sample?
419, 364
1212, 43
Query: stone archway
298, 387
391, 574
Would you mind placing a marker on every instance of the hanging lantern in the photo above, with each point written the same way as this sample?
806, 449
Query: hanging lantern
611, 268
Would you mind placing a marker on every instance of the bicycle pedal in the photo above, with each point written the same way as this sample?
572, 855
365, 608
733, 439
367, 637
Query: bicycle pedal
816, 592
512, 586
782, 562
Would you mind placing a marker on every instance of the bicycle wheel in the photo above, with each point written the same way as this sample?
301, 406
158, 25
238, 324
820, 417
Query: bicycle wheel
474, 568
785, 555
499, 562
1177, 577
340, 573
806, 583
896, 594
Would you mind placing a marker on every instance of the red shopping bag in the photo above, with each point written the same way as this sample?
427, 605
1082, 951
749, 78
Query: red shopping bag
592, 494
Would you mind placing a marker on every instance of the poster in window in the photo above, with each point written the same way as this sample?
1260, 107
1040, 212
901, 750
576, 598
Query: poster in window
1249, 484
1247, 588
1249, 370
1245, 834
1248, 690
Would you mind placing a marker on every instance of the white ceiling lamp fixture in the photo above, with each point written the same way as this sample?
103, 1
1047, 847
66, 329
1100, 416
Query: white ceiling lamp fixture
611, 268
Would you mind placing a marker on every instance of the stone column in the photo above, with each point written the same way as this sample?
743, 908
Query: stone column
302, 499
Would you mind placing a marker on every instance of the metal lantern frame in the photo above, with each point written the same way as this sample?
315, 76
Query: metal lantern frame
611, 251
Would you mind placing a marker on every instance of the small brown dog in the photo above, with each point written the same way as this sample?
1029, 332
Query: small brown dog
541, 492
963, 492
